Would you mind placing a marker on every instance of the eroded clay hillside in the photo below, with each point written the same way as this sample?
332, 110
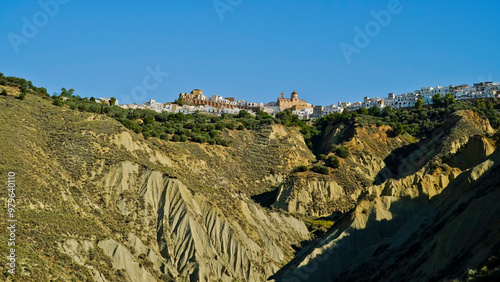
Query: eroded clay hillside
430, 213
98, 202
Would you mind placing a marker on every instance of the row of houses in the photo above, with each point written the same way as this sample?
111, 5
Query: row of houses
185, 109
197, 102
196, 97
405, 100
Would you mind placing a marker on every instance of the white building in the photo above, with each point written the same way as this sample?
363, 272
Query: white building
330, 109
216, 98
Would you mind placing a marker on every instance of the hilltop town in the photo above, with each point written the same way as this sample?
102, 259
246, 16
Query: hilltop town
196, 101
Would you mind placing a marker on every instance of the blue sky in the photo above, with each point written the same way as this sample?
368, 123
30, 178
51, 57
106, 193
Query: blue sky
251, 50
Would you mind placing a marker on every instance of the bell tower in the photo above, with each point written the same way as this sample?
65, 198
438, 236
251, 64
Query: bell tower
295, 96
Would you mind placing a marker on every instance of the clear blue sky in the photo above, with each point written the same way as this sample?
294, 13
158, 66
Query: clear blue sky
253, 51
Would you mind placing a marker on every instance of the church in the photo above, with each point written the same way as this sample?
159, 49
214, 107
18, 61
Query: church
293, 104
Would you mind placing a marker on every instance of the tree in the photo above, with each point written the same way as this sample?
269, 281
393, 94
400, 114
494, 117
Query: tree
112, 101
43, 90
64, 92
244, 114
260, 114
387, 110
220, 126
363, 111
4, 92
179, 101
70, 92
148, 120
23, 89
22, 96
322, 157
375, 111
398, 128
419, 103
436, 100
449, 99
210, 127
92, 99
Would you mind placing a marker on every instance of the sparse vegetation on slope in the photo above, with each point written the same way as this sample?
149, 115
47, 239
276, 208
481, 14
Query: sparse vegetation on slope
81, 177
99, 201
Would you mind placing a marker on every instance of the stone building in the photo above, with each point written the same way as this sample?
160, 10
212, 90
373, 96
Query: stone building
196, 97
293, 104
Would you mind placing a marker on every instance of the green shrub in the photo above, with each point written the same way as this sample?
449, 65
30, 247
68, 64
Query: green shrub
164, 136
332, 161
301, 168
363, 111
397, 128
321, 169
244, 114
437, 100
183, 138
241, 127
210, 127
146, 135
322, 157
375, 111
58, 103
333, 148
220, 126
190, 125
342, 151
176, 138
225, 142
230, 126
4, 92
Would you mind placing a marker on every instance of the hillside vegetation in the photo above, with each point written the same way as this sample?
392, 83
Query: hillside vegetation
107, 194
93, 195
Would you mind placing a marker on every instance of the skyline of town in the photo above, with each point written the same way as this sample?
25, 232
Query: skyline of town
217, 104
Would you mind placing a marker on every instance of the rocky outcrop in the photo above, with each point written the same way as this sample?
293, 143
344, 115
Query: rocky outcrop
193, 238
123, 260
428, 225
314, 197
375, 158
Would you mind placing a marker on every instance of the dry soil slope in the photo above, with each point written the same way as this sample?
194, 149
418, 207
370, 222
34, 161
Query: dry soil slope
436, 223
311, 194
97, 202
